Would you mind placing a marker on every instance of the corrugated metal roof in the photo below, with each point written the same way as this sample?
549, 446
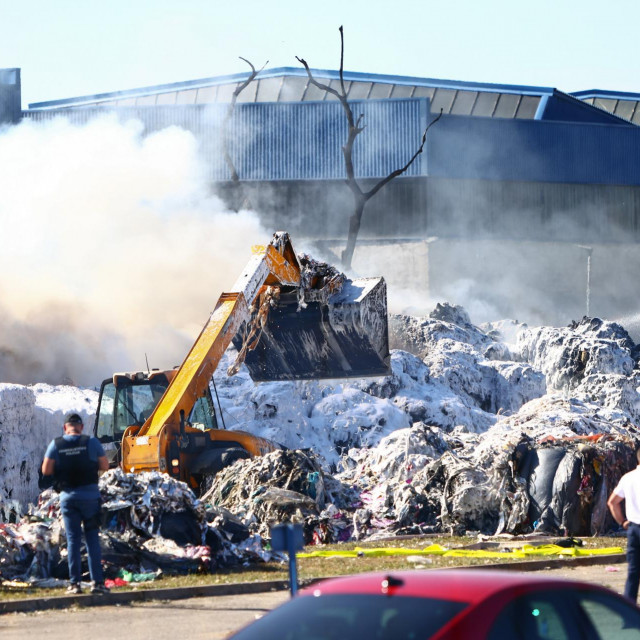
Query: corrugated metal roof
565, 107
290, 84
365, 84
623, 104
602, 93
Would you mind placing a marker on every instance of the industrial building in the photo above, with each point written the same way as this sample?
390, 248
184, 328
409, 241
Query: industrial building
520, 189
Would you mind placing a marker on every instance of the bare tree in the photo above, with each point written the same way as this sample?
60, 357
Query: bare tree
239, 199
356, 127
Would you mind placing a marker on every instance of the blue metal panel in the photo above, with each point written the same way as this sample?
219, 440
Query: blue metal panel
534, 151
10, 96
564, 107
289, 141
542, 106
204, 121
303, 141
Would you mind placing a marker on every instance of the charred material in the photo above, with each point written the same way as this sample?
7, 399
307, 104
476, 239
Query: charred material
337, 329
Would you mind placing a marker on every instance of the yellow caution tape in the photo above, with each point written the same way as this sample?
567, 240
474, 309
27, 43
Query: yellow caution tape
525, 551
14, 584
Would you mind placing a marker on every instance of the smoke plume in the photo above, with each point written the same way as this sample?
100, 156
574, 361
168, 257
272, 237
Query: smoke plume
113, 248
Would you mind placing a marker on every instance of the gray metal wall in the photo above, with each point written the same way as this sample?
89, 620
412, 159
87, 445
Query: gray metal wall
533, 210
446, 208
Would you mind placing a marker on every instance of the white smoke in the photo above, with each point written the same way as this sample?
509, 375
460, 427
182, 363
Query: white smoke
113, 248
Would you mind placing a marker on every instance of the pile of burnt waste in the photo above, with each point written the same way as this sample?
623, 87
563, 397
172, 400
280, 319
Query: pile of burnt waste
426, 482
499, 429
151, 525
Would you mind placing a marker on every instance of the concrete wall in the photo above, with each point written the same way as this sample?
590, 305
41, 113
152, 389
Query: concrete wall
534, 282
404, 265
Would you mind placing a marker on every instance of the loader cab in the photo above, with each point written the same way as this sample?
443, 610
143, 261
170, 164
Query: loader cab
130, 398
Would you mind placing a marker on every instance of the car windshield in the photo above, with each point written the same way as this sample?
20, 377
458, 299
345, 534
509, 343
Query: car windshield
344, 616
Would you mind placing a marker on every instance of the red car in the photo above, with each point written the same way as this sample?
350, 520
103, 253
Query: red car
443, 605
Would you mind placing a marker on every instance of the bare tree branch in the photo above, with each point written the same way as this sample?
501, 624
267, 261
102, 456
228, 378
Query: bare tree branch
394, 174
356, 127
344, 93
324, 87
241, 87
235, 178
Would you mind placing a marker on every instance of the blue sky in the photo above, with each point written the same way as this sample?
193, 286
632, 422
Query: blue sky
67, 48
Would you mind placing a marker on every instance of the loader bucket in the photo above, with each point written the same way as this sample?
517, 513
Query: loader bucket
346, 337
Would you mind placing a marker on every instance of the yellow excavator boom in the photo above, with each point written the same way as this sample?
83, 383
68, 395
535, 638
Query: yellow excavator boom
274, 264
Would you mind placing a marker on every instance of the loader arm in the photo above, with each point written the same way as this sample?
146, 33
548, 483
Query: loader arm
195, 372
267, 266
275, 264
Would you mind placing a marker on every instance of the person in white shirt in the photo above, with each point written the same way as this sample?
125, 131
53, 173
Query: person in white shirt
628, 490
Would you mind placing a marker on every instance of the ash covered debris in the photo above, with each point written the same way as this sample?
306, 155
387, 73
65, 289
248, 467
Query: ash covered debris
422, 480
501, 428
286, 486
152, 524
318, 279
468, 395
556, 485
570, 356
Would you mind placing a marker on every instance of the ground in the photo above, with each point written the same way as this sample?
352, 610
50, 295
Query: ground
211, 618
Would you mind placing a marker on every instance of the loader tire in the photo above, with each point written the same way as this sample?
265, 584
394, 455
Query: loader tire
232, 454
215, 460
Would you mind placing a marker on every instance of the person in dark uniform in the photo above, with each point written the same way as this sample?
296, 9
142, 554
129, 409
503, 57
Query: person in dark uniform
74, 461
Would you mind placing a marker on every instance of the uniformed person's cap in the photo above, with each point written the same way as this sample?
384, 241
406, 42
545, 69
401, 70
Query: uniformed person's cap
73, 418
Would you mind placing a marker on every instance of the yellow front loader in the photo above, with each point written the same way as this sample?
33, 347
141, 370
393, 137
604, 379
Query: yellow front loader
291, 318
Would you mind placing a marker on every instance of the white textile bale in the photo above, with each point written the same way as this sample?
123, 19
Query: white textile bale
18, 456
30, 417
